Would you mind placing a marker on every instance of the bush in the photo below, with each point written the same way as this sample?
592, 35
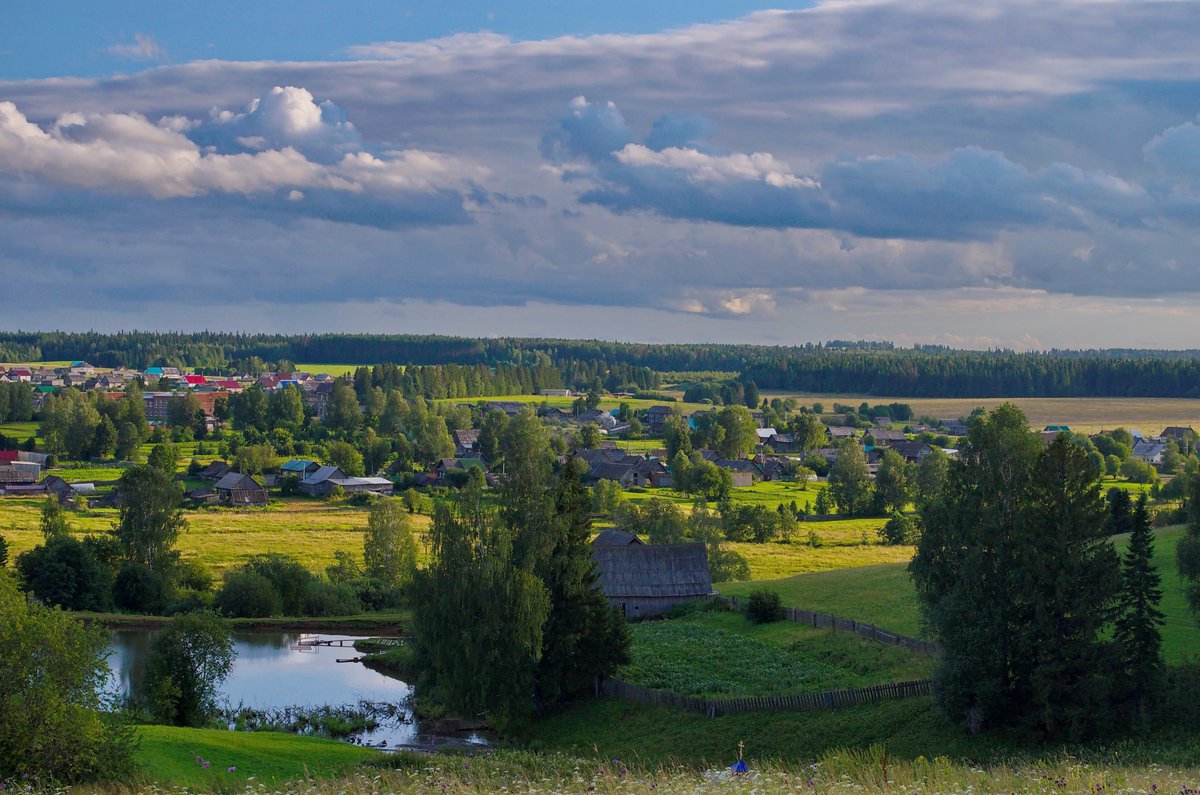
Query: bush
764, 607
289, 486
247, 595
3, 552
188, 602
326, 599
364, 498
287, 576
193, 575
139, 589
900, 529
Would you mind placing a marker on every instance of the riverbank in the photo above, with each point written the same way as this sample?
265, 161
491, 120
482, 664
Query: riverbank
391, 624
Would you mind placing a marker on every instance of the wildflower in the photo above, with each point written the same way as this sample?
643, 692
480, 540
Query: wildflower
206, 763
231, 769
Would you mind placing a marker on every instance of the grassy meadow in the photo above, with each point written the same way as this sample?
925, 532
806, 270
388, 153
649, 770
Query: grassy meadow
220, 538
884, 595
835, 771
721, 654
21, 431
168, 755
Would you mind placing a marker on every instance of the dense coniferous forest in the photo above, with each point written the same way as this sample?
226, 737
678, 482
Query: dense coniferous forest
874, 368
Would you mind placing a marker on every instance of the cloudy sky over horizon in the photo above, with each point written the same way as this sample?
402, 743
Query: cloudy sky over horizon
1024, 174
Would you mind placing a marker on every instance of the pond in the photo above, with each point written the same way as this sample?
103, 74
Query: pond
273, 672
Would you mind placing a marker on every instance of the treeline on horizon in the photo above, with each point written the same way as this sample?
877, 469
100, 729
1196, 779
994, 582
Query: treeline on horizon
848, 367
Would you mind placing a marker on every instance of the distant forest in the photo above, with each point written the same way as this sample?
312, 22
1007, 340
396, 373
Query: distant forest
870, 368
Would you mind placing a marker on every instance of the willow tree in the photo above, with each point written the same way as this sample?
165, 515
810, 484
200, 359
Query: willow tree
478, 614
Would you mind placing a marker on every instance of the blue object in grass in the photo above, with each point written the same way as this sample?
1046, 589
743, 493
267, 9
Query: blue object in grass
740, 766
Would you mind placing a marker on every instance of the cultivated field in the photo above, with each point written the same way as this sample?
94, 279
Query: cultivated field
1088, 415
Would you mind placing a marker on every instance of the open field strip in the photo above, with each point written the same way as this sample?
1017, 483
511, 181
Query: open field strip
220, 538
1087, 415
19, 430
566, 402
38, 365
335, 370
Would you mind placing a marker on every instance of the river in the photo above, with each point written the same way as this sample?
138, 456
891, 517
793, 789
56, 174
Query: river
272, 672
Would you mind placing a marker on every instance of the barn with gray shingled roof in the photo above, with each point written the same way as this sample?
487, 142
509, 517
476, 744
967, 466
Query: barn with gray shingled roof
647, 579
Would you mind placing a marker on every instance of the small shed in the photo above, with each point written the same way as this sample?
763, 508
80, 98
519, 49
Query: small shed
612, 537
238, 489
215, 470
647, 579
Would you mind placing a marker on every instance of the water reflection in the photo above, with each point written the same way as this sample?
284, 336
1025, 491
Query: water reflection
271, 671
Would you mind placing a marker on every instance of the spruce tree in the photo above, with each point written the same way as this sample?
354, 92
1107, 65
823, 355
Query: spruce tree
583, 637
1187, 553
1137, 633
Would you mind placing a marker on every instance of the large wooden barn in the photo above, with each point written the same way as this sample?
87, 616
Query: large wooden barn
647, 579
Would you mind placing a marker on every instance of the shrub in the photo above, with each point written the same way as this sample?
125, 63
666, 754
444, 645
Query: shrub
247, 595
326, 599
193, 575
289, 486
764, 607
3, 552
67, 572
139, 589
287, 576
337, 493
900, 529
188, 602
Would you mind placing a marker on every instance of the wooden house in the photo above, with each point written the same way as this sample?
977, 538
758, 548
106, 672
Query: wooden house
644, 580
237, 489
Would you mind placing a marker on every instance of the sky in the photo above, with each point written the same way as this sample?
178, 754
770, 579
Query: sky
995, 173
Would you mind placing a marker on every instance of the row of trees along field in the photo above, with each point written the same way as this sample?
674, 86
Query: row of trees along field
834, 367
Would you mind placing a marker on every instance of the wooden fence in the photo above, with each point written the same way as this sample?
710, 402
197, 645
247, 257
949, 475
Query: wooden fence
860, 628
830, 699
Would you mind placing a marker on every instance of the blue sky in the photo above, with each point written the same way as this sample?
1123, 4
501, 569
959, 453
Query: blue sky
38, 42
995, 173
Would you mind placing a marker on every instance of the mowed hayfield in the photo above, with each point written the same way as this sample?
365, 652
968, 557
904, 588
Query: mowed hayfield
884, 595
1087, 415
309, 530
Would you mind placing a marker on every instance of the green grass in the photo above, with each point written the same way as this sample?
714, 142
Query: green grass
835, 771
168, 755
335, 370
884, 595
21, 431
696, 660
723, 655
770, 494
